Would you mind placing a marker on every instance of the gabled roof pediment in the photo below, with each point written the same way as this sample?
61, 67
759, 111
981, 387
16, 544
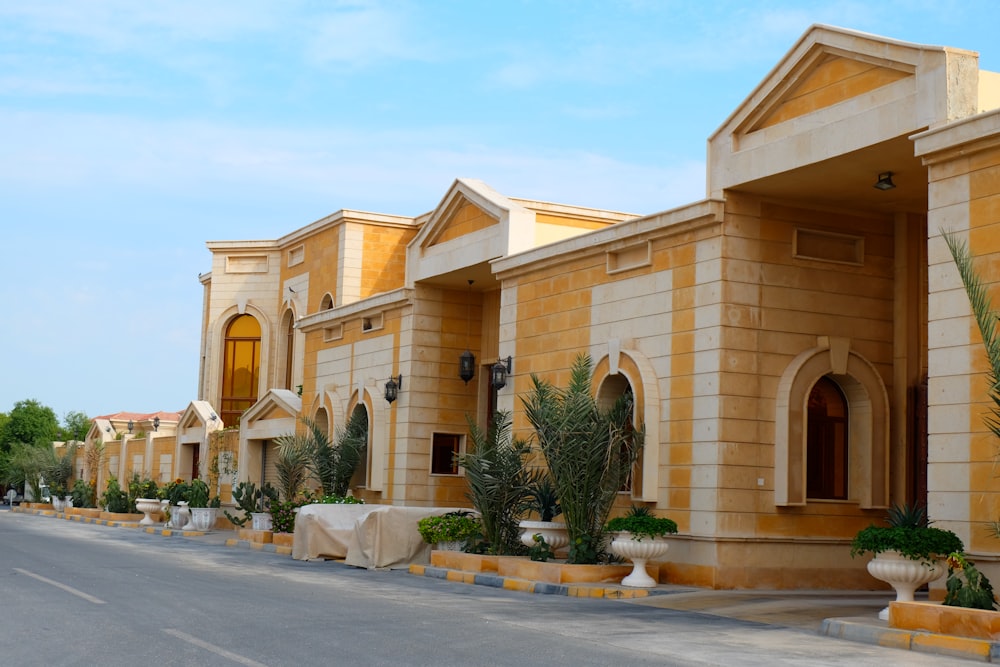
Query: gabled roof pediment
275, 404
825, 76
472, 225
199, 414
837, 92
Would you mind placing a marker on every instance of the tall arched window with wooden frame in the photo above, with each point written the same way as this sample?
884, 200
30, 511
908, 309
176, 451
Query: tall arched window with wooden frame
827, 428
240, 367
288, 343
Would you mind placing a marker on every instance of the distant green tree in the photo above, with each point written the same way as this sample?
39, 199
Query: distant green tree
74, 427
30, 423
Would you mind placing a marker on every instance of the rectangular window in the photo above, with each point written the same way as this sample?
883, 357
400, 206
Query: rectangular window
296, 255
445, 448
828, 247
333, 333
166, 468
372, 323
631, 257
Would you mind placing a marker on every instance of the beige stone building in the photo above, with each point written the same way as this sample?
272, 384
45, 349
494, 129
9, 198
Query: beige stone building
798, 342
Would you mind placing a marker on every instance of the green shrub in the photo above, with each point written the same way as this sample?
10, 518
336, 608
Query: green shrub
914, 543
114, 499
456, 526
641, 522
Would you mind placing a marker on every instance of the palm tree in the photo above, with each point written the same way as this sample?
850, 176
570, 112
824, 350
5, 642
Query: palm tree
498, 482
590, 453
333, 462
292, 464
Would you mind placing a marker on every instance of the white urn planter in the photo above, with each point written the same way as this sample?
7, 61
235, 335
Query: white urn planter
148, 507
57, 503
639, 552
453, 545
203, 518
260, 520
67, 503
553, 532
904, 574
180, 516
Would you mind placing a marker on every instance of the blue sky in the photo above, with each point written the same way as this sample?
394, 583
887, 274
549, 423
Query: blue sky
133, 132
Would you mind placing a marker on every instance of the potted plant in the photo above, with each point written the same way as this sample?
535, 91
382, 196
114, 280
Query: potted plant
203, 508
449, 531
639, 536
176, 494
114, 499
908, 552
543, 500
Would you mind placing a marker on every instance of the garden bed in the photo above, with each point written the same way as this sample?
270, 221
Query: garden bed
519, 567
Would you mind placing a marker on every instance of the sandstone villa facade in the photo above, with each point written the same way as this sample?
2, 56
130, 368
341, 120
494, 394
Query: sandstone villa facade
798, 342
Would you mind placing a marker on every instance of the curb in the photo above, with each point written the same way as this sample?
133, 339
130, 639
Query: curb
865, 632
527, 586
259, 546
152, 530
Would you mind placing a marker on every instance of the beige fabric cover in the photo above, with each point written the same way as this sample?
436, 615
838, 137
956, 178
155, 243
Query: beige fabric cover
369, 536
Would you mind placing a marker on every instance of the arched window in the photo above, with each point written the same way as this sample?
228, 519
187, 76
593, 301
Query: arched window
612, 388
289, 356
826, 442
831, 429
326, 303
240, 367
360, 477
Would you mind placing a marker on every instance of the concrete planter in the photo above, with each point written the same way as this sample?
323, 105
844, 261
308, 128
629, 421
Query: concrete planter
904, 574
639, 552
938, 619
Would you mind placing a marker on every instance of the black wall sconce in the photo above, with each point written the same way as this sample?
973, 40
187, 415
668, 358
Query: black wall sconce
467, 366
130, 425
156, 423
884, 181
392, 387
498, 374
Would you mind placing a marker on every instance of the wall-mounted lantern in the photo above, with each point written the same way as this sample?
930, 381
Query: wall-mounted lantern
498, 374
392, 387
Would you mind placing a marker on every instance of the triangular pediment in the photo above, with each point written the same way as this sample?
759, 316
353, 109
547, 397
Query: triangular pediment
825, 77
468, 207
473, 225
276, 404
463, 217
838, 93
199, 414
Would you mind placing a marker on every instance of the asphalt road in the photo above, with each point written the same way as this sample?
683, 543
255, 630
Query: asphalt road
83, 594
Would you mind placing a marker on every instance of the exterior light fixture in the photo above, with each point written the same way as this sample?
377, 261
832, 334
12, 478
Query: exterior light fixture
467, 360
884, 181
130, 425
467, 366
392, 387
498, 374
156, 423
